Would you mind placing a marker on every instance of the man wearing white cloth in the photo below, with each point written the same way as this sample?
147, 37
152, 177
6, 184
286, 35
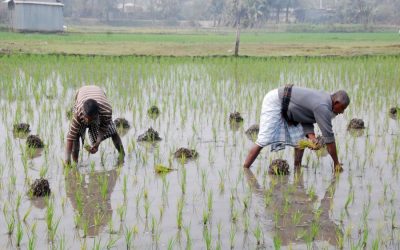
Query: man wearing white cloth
288, 115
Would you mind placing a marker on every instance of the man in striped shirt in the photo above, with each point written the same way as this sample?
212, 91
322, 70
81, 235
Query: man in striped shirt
93, 111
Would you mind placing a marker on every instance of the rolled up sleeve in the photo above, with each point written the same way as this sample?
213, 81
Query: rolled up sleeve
323, 117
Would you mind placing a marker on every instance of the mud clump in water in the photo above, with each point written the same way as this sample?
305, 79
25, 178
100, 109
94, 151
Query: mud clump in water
153, 111
186, 153
33, 141
356, 124
235, 117
121, 123
40, 188
150, 135
394, 112
252, 132
21, 128
279, 167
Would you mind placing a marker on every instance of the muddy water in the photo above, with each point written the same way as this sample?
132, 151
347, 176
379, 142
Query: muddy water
99, 201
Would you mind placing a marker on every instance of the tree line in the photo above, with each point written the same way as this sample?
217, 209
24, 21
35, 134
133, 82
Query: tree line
252, 13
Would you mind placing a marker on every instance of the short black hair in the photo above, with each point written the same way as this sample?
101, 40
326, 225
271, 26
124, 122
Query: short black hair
91, 107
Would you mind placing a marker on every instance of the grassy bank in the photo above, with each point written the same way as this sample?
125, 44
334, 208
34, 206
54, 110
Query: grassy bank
201, 43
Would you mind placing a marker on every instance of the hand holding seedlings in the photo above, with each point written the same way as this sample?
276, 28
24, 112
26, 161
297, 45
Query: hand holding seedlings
338, 168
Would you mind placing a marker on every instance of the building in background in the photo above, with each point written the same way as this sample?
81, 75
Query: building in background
35, 16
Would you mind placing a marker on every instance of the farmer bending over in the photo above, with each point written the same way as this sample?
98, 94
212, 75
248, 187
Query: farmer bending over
289, 113
91, 110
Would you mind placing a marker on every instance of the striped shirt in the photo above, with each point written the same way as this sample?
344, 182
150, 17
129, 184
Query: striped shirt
105, 111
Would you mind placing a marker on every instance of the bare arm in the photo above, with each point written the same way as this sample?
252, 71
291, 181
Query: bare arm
118, 145
68, 152
253, 153
331, 147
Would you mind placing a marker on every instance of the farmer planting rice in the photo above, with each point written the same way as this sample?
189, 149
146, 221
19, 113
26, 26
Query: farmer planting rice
93, 111
289, 113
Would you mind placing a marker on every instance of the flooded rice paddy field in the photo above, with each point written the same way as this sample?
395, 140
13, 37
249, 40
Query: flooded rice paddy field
209, 202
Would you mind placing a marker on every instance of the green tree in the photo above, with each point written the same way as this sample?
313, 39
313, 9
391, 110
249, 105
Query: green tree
216, 9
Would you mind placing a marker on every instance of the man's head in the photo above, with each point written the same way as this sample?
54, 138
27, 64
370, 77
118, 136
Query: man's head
90, 110
340, 101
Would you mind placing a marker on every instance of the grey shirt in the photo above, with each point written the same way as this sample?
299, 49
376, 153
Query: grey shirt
309, 106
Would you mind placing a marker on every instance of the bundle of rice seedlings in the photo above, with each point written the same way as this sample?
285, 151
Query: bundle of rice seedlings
161, 169
302, 144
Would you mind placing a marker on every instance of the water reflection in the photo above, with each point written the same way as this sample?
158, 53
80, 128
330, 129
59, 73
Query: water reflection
356, 132
295, 216
90, 195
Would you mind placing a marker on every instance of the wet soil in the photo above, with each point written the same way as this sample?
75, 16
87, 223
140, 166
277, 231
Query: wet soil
252, 132
153, 111
235, 117
34, 141
150, 135
21, 128
121, 123
279, 167
40, 188
186, 153
356, 124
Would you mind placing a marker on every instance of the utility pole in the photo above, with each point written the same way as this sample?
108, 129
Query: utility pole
238, 14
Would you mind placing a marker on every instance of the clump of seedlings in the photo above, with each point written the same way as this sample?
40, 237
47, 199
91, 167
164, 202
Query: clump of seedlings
186, 153
153, 111
279, 167
235, 117
34, 141
356, 124
21, 128
302, 144
150, 136
252, 132
161, 169
320, 143
394, 112
40, 188
122, 123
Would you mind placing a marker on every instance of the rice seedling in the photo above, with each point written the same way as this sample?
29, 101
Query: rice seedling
111, 242
257, 232
19, 234
192, 94
10, 221
206, 217
27, 213
121, 210
188, 237
210, 201
207, 238
179, 216
171, 243
232, 237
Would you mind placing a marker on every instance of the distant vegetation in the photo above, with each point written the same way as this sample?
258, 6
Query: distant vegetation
253, 13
